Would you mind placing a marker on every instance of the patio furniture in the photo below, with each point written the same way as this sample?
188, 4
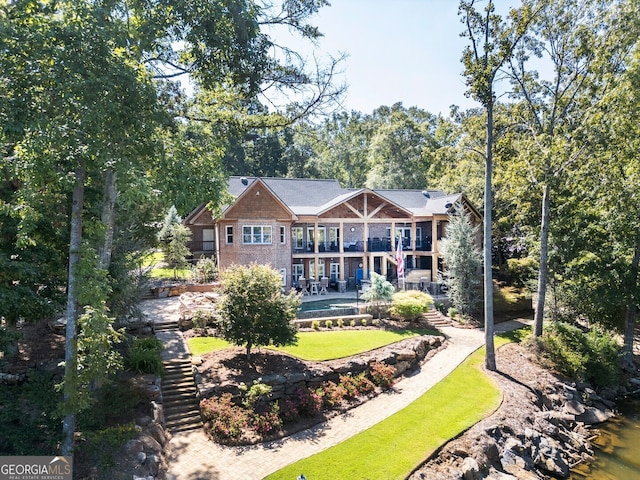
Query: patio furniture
324, 283
302, 282
314, 287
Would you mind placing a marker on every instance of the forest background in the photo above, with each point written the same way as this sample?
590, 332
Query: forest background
98, 141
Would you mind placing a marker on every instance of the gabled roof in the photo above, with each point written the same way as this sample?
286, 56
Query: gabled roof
315, 196
302, 196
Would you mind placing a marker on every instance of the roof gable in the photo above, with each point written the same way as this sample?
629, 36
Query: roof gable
258, 201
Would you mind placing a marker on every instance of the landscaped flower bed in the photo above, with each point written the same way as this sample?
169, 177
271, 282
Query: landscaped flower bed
253, 417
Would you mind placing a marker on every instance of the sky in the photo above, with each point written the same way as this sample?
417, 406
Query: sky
399, 51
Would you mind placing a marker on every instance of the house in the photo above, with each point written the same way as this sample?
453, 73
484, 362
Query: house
316, 228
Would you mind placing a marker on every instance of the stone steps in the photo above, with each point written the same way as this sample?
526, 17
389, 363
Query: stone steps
436, 319
179, 396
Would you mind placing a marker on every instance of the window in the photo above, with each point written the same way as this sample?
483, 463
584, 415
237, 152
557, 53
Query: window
334, 238
229, 234
322, 236
296, 237
207, 240
312, 270
405, 234
282, 235
283, 274
298, 271
256, 234
334, 270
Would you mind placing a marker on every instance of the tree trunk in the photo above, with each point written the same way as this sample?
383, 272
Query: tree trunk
544, 256
249, 345
630, 314
490, 358
108, 218
75, 244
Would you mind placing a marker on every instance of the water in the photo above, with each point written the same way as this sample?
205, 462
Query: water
617, 448
327, 304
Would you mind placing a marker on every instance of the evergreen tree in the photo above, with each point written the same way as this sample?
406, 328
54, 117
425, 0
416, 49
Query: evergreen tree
381, 291
464, 260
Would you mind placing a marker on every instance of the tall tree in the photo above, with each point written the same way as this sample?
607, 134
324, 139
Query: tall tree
400, 151
492, 44
463, 260
582, 45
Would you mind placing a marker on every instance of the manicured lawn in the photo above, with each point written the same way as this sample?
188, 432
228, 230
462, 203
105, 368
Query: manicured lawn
392, 448
319, 346
169, 274
163, 273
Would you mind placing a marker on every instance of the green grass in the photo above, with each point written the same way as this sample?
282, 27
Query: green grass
169, 274
163, 273
202, 345
320, 346
392, 448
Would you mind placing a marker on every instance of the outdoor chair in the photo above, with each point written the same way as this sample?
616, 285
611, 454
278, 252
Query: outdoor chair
324, 283
302, 283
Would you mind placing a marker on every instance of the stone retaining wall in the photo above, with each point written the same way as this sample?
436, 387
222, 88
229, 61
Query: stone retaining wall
405, 356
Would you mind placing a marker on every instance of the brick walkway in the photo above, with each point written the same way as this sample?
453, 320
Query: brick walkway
194, 457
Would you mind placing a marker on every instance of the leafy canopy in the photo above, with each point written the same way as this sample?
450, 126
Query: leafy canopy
254, 310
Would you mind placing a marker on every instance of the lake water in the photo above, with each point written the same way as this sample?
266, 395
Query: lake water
617, 448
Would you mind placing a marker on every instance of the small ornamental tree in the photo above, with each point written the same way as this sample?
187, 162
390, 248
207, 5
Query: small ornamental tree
464, 261
173, 238
254, 310
381, 291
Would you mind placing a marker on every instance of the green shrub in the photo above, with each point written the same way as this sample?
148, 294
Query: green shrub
452, 312
144, 356
409, 304
375, 322
340, 323
352, 323
328, 324
8, 341
101, 445
522, 270
364, 322
510, 299
315, 324
593, 356
28, 419
204, 271
253, 394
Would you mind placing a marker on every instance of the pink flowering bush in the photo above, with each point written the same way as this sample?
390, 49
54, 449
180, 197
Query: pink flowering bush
382, 375
333, 394
226, 420
304, 402
268, 421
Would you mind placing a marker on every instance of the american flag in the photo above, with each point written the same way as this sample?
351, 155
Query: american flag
400, 258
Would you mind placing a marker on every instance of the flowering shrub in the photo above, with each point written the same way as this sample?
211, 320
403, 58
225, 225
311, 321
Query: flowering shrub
315, 324
333, 394
328, 324
382, 375
350, 385
226, 419
268, 421
364, 385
